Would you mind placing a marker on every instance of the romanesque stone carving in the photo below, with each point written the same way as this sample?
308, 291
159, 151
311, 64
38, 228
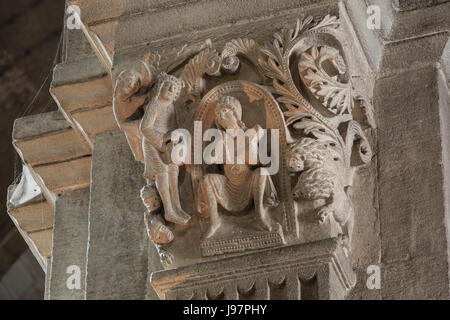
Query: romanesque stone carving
239, 184
299, 88
156, 128
321, 155
263, 222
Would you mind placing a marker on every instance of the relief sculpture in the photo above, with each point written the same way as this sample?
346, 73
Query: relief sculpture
240, 184
224, 198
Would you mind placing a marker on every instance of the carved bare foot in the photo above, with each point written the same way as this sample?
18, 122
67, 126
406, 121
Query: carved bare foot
160, 233
177, 217
212, 229
270, 223
323, 213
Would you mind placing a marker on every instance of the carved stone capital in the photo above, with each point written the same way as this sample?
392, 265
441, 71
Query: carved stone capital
299, 89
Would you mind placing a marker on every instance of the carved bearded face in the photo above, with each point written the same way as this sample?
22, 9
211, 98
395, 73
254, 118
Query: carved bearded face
226, 118
228, 113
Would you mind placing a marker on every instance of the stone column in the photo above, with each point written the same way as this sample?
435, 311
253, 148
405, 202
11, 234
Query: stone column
118, 244
70, 238
411, 105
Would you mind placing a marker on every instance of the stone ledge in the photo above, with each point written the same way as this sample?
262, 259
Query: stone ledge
58, 157
34, 222
33, 217
78, 71
46, 138
389, 49
405, 5
83, 91
202, 15
234, 277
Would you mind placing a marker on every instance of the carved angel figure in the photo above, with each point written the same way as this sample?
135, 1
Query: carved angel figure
240, 184
156, 128
319, 184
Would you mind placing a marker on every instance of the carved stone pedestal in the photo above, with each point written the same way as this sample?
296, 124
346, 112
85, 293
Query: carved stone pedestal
317, 270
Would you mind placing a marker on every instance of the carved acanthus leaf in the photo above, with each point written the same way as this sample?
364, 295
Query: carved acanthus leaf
206, 62
277, 67
327, 22
338, 97
246, 47
335, 96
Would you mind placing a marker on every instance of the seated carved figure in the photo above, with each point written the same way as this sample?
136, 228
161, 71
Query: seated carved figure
156, 127
240, 184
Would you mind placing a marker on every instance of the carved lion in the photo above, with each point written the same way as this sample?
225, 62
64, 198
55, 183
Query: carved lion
318, 184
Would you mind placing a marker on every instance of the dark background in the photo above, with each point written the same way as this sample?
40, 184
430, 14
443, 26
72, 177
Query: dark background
30, 33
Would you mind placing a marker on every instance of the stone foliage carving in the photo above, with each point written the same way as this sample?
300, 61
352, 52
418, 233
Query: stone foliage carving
299, 87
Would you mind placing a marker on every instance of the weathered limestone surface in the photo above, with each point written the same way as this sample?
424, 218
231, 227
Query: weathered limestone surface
49, 145
411, 106
154, 264
32, 215
411, 186
70, 239
403, 5
48, 270
118, 244
82, 90
417, 36
316, 270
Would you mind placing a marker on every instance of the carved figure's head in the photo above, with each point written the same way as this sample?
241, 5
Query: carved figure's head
156, 230
150, 198
127, 84
304, 154
228, 112
169, 87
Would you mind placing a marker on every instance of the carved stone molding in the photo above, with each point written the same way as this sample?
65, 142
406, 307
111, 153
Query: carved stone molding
317, 270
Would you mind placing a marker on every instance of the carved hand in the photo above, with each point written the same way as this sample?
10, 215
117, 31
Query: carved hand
167, 137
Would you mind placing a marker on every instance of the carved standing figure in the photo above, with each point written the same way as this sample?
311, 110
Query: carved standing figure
240, 184
156, 127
